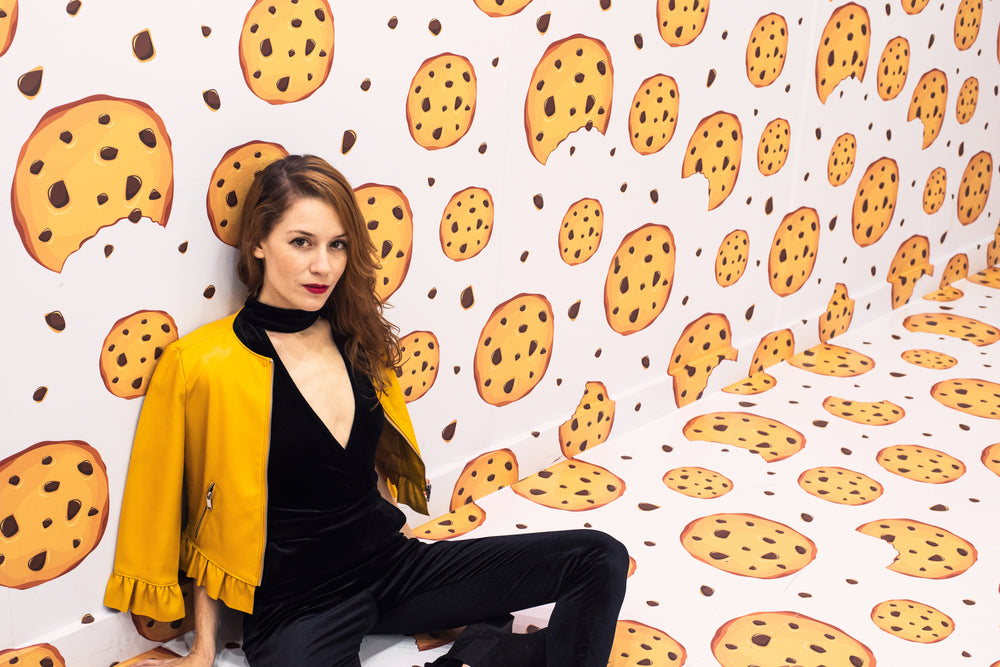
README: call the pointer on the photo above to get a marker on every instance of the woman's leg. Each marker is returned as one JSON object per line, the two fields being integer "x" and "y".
{"x": 448, "y": 584}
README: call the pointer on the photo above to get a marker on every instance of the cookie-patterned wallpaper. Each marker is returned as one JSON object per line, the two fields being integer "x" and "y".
{"x": 589, "y": 213}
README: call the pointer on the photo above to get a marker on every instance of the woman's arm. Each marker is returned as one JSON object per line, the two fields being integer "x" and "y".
{"x": 383, "y": 488}
{"x": 206, "y": 627}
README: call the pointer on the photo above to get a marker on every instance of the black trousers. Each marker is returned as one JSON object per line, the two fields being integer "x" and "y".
{"x": 441, "y": 585}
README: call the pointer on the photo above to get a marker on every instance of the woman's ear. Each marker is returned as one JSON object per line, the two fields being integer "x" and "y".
{"x": 258, "y": 252}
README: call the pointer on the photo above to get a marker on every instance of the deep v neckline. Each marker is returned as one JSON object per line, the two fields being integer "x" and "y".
{"x": 299, "y": 396}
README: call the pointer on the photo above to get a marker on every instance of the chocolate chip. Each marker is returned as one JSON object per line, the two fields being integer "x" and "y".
{"x": 148, "y": 137}
{"x": 136, "y": 383}
{"x": 467, "y": 298}
{"x": 8, "y": 527}
{"x": 543, "y": 22}
{"x": 104, "y": 119}
{"x": 142, "y": 46}
{"x": 212, "y": 99}
{"x": 73, "y": 7}
{"x": 282, "y": 84}
{"x": 47, "y": 461}
{"x": 66, "y": 137}
{"x": 538, "y": 201}
{"x": 231, "y": 199}
{"x": 102, "y": 199}
{"x": 122, "y": 360}
{"x": 132, "y": 186}
{"x": 574, "y": 310}
{"x": 58, "y": 195}
{"x": 39, "y": 394}
{"x": 37, "y": 562}
{"x": 154, "y": 194}
{"x": 36, "y": 167}
{"x": 109, "y": 153}
{"x": 55, "y": 320}
{"x": 265, "y": 48}
{"x": 135, "y": 215}
{"x": 93, "y": 511}
{"x": 320, "y": 15}
{"x": 434, "y": 26}
{"x": 448, "y": 432}
{"x": 209, "y": 292}
{"x": 761, "y": 639}
{"x": 296, "y": 23}
{"x": 30, "y": 83}
{"x": 205, "y": 31}
{"x": 348, "y": 141}
{"x": 46, "y": 523}
{"x": 73, "y": 508}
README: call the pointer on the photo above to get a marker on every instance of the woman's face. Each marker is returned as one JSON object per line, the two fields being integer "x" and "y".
{"x": 304, "y": 256}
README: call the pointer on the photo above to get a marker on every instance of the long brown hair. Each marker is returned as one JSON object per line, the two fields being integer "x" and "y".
{"x": 353, "y": 309}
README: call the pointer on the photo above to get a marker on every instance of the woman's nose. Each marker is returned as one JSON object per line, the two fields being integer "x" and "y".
{"x": 320, "y": 262}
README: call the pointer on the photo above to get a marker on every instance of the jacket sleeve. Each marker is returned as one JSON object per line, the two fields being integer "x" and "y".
{"x": 145, "y": 577}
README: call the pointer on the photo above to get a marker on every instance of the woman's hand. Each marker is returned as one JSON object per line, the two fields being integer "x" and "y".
{"x": 190, "y": 660}
{"x": 206, "y": 624}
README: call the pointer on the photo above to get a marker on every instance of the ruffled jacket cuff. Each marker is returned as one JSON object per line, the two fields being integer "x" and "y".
{"x": 234, "y": 592}
{"x": 159, "y": 602}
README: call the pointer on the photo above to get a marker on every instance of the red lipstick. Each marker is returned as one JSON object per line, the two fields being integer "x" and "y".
{"x": 316, "y": 289}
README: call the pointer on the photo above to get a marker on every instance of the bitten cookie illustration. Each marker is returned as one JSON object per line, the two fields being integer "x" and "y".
{"x": 793, "y": 251}
{"x": 640, "y": 644}
{"x": 467, "y": 223}
{"x": 581, "y": 231}
{"x": 55, "y": 510}
{"x": 571, "y": 485}
{"x": 840, "y": 485}
{"x": 991, "y": 458}
{"x": 483, "y": 475}
{"x": 286, "y": 48}
{"x": 703, "y": 345}
{"x": 419, "y": 368}
{"x": 732, "y": 257}
{"x": 928, "y": 103}
{"x": 389, "y": 218}
{"x": 86, "y": 166}
{"x": 571, "y": 88}
{"x": 843, "y": 48}
{"x": 680, "y": 23}
{"x": 748, "y": 545}
{"x": 715, "y": 151}
{"x": 921, "y": 464}
{"x": 695, "y": 482}
{"x": 514, "y": 349}
{"x": 131, "y": 350}
{"x": 893, "y": 67}
{"x": 975, "y": 187}
{"x": 766, "y": 50}
{"x": 771, "y": 439}
{"x": 230, "y": 182}
{"x": 772, "y": 151}
{"x": 441, "y": 103}
{"x": 591, "y": 422}
{"x": 957, "y": 269}
{"x": 639, "y": 279}
{"x": 839, "y": 313}
{"x": 924, "y": 551}
{"x": 908, "y": 266}
{"x": 773, "y": 348}
{"x": 43, "y": 655}
{"x": 786, "y": 638}
{"x": 912, "y": 621}
{"x": 914, "y": 6}
{"x": 833, "y": 360}
{"x": 875, "y": 201}
{"x": 840, "y": 164}
{"x": 652, "y": 118}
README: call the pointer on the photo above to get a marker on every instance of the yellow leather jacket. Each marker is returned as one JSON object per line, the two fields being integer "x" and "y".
{"x": 203, "y": 436}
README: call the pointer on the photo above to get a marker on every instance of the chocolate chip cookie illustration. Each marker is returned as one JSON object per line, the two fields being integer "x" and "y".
{"x": 571, "y": 485}
{"x": 131, "y": 350}
{"x": 286, "y": 48}
{"x": 514, "y": 349}
{"x": 909, "y": 264}
{"x": 467, "y": 223}
{"x": 875, "y": 201}
{"x": 833, "y": 360}
{"x": 591, "y": 422}
{"x": 43, "y": 655}
{"x": 969, "y": 395}
{"x": 924, "y": 550}
{"x": 968, "y": 98}
{"x": 893, "y": 67}
{"x": 680, "y": 23}
{"x": 772, "y": 151}
{"x": 793, "y": 251}
{"x": 839, "y": 313}
{"x": 912, "y": 621}
{"x": 843, "y": 48}
{"x": 771, "y": 439}
{"x": 419, "y": 367}
{"x": 840, "y": 485}
{"x": 581, "y": 231}
{"x": 840, "y": 164}
{"x": 935, "y": 190}
{"x": 640, "y": 644}
{"x": 483, "y": 475}
{"x": 701, "y": 347}
{"x": 639, "y": 279}
{"x": 786, "y": 638}
{"x": 570, "y": 89}
{"x": 975, "y": 187}
{"x": 956, "y": 326}
{"x": 441, "y": 102}
{"x": 748, "y": 545}
{"x": 731, "y": 259}
{"x": 928, "y": 104}
{"x": 921, "y": 464}
{"x": 766, "y": 50}
{"x": 86, "y": 166}
{"x": 497, "y": 8}
{"x": 652, "y": 118}
{"x": 695, "y": 482}
{"x": 230, "y": 182}
{"x": 55, "y": 509}
{"x": 456, "y": 523}
{"x": 968, "y": 20}
{"x": 8, "y": 24}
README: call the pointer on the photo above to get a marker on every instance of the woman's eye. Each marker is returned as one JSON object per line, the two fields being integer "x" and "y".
{"x": 338, "y": 244}
{"x": 300, "y": 242}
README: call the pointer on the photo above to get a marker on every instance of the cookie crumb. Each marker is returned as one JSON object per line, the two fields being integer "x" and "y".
{"x": 435, "y": 27}
{"x": 209, "y": 292}
{"x": 30, "y": 83}
{"x": 205, "y": 31}
{"x": 73, "y": 7}
{"x": 87, "y": 619}
{"x": 448, "y": 432}
{"x": 56, "y": 321}
{"x": 543, "y": 22}
{"x": 39, "y": 395}
{"x": 142, "y": 46}
{"x": 347, "y": 142}
{"x": 212, "y": 99}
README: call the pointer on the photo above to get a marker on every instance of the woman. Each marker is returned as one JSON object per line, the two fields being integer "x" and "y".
{"x": 284, "y": 431}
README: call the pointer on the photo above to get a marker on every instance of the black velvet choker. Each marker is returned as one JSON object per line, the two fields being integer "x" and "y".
{"x": 281, "y": 320}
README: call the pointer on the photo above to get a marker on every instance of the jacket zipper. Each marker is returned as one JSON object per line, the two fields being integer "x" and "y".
{"x": 427, "y": 484}
{"x": 208, "y": 508}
